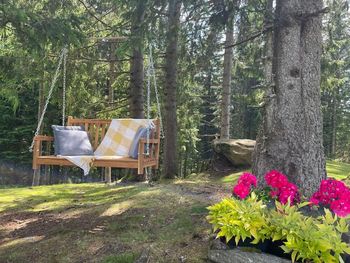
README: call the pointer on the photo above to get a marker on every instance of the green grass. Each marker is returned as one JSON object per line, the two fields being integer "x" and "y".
{"x": 338, "y": 170}
{"x": 123, "y": 258}
{"x": 335, "y": 169}
{"x": 59, "y": 197}
{"x": 101, "y": 223}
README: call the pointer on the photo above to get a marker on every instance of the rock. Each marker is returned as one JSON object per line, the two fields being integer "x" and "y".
{"x": 239, "y": 256}
{"x": 217, "y": 244}
{"x": 237, "y": 151}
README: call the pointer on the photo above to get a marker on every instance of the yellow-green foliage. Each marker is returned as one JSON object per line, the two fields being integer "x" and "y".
{"x": 305, "y": 237}
{"x": 240, "y": 219}
{"x": 309, "y": 238}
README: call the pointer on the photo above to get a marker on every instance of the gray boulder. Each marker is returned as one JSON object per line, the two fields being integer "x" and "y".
{"x": 237, "y": 151}
{"x": 238, "y": 255}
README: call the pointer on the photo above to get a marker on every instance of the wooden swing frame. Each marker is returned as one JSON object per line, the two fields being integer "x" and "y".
{"x": 97, "y": 129}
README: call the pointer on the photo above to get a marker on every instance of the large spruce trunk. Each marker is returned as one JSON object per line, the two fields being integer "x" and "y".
{"x": 170, "y": 163}
{"x": 136, "y": 97}
{"x": 291, "y": 135}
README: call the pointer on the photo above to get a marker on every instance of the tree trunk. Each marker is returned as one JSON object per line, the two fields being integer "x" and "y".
{"x": 170, "y": 164}
{"x": 136, "y": 100}
{"x": 268, "y": 49}
{"x": 291, "y": 137}
{"x": 226, "y": 83}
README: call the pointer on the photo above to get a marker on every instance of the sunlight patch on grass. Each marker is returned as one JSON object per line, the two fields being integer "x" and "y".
{"x": 59, "y": 197}
{"x": 19, "y": 241}
{"x": 232, "y": 178}
{"x": 118, "y": 208}
{"x": 338, "y": 170}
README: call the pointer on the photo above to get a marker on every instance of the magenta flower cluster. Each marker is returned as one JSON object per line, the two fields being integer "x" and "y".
{"x": 243, "y": 187}
{"x": 335, "y": 194}
{"x": 282, "y": 188}
{"x": 332, "y": 193}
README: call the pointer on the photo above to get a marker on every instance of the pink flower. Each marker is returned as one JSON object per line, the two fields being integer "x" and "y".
{"x": 335, "y": 194}
{"x": 275, "y": 179}
{"x": 274, "y": 194}
{"x": 247, "y": 179}
{"x": 340, "y": 208}
{"x": 281, "y": 187}
{"x": 241, "y": 190}
{"x": 314, "y": 201}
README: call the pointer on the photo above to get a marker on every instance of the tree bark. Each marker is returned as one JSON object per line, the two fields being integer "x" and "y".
{"x": 170, "y": 164}
{"x": 291, "y": 137}
{"x": 136, "y": 100}
{"x": 226, "y": 82}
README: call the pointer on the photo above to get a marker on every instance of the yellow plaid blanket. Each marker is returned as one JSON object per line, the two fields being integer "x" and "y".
{"x": 120, "y": 136}
{"x": 117, "y": 142}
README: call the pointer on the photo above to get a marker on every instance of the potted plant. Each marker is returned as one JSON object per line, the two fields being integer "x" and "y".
{"x": 276, "y": 221}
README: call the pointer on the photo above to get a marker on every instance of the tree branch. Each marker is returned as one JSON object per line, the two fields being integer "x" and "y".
{"x": 93, "y": 15}
{"x": 252, "y": 37}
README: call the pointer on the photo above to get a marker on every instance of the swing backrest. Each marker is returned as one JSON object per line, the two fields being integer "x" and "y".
{"x": 97, "y": 129}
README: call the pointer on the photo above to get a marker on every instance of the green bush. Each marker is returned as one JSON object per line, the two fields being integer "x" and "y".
{"x": 240, "y": 219}
{"x": 308, "y": 238}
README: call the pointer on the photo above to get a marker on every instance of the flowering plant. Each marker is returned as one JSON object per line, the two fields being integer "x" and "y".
{"x": 243, "y": 187}
{"x": 289, "y": 222}
{"x": 332, "y": 193}
{"x": 282, "y": 188}
{"x": 335, "y": 194}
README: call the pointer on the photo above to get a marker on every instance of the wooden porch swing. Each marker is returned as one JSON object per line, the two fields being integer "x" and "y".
{"x": 148, "y": 148}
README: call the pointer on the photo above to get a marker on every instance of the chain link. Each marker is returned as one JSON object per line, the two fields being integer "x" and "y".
{"x": 148, "y": 98}
{"x": 157, "y": 95}
{"x": 48, "y": 98}
{"x": 65, "y": 51}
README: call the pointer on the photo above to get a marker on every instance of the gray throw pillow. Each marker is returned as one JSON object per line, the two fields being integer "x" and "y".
{"x": 134, "y": 148}
{"x": 60, "y": 128}
{"x": 72, "y": 143}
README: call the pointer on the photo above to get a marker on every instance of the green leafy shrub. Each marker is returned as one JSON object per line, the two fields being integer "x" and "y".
{"x": 240, "y": 219}
{"x": 308, "y": 238}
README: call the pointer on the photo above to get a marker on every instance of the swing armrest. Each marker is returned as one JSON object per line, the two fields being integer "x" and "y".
{"x": 37, "y": 150}
{"x": 43, "y": 138}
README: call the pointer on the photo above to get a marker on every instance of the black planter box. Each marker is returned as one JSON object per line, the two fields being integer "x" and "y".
{"x": 268, "y": 246}
{"x": 262, "y": 246}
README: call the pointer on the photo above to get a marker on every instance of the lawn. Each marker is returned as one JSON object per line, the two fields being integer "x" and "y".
{"x": 113, "y": 223}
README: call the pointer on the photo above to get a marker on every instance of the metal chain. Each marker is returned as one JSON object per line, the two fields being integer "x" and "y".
{"x": 157, "y": 95}
{"x": 48, "y": 99}
{"x": 65, "y": 51}
{"x": 148, "y": 99}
